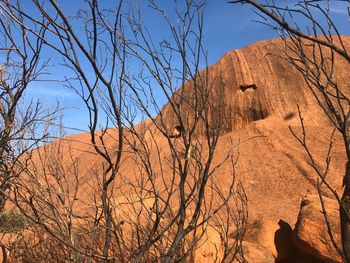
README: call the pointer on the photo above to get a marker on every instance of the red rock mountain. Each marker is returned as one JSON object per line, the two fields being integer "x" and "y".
{"x": 273, "y": 166}
{"x": 261, "y": 92}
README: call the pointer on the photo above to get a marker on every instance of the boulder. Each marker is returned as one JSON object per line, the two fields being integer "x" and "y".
{"x": 276, "y": 237}
{"x": 254, "y": 253}
{"x": 210, "y": 250}
{"x": 311, "y": 235}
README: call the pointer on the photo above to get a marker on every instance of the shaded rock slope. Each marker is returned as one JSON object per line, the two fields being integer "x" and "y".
{"x": 256, "y": 82}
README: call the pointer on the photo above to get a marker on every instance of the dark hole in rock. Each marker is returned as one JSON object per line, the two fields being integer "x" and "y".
{"x": 245, "y": 87}
{"x": 176, "y": 132}
{"x": 258, "y": 114}
{"x": 289, "y": 116}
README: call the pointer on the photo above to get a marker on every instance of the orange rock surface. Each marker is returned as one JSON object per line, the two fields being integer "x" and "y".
{"x": 311, "y": 234}
{"x": 261, "y": 93}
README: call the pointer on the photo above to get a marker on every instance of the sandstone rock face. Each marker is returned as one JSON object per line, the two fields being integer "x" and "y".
{"x": 253, "y": 253}
{"x": 276, "y": 237}
{"x": 259, "y": 93}
{"x": 311, "y": 235}
{"x": 256, "y": 254}
{"x": 209, "y": 251}
{"x": 272, "y": 164}
{"x": 255, "y": 83}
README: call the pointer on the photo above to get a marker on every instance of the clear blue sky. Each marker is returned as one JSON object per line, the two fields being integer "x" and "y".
{"x": 227, "y": 27}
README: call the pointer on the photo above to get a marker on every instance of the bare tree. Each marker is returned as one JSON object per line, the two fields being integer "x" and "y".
{"x": 20, "y": 120}
{"x": 192, "y": 117}
{"x": 155, "y": 190}
{"x": 315, "y": 52}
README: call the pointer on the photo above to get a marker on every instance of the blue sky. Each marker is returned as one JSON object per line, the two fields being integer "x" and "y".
{"x": 227, "y": 27}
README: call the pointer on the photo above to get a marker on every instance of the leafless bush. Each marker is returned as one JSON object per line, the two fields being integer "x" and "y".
{"x": 154, "y": 192}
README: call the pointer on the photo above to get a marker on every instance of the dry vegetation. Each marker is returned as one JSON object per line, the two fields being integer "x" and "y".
{"x": 153, "y": 194}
